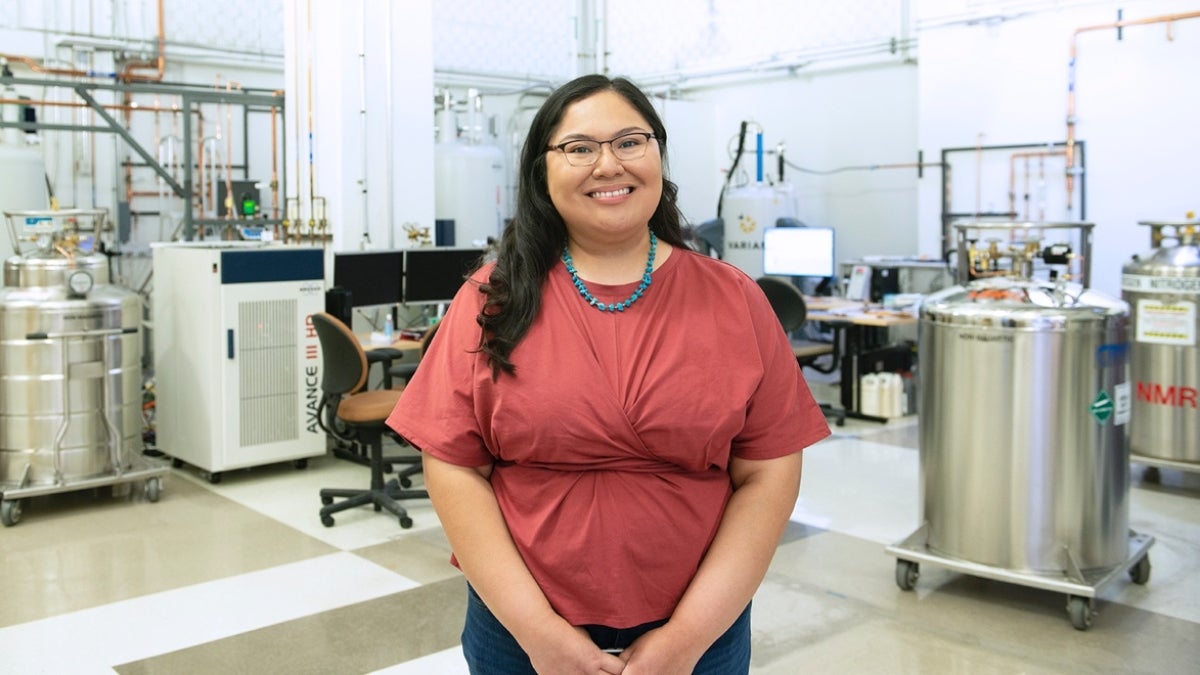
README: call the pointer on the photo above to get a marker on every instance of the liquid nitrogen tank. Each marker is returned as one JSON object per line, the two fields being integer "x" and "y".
{"x": 1025, "y": 399}
{"x": 1162, "y": 288}
{"x": 70, "y": 365}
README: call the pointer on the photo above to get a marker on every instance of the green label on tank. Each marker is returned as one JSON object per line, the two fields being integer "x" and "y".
{"x": 1102, "y": 407}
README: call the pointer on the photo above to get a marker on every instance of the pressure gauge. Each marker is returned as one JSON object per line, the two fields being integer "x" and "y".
{"x": 80, "y": 283}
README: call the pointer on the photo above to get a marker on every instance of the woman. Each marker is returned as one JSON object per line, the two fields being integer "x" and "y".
{"x": 612, "y": 424}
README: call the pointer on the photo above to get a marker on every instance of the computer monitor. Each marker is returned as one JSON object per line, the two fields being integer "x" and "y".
{"x": 434, "y": 275}
{"x": 371, "y": 277}
{"x": 799, "y": 252}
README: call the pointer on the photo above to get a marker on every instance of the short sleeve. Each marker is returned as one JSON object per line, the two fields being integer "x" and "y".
{"x": 437, "y": 411}
{"x": 782, "y": 416}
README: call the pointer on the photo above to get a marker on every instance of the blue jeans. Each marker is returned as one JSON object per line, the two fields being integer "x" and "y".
{"x": 491, "y": 650}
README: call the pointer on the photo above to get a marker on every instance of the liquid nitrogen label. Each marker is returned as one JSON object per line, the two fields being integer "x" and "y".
{"x": 1151, "y": 284}
{"x": 1166, "y": 323}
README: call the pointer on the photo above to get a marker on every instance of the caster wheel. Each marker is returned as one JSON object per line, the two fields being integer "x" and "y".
{"x": 405, "y": 482}
{"x": 388, "y": 468}
{"x": 907, "y": 573}
{"x": 153, "y": 488}
{"x": 1152, "y": 475}
{"x": 300, "y": 464}
{"x": 177, "y": 463}
{"x": 326, "y": 501}
{"x": 1080, "y": 611}
{"x": 214, "y": 477}
{"x": 1140, "y": 573}
{"x": 406, "y": 522}
{"x": 10, "y": 512}
{"x": 327, "y": 521}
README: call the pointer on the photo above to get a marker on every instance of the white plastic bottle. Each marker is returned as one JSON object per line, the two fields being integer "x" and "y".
{"x": 869, "y": 395}
{"x": 891, "y": 390}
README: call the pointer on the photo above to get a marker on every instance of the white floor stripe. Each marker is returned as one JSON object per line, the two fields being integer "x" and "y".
{"x": 877, "y": 502}
{"x": 446, "y": 662}
{"x": 91, "y": 640}
{"x": 292, "y": 498}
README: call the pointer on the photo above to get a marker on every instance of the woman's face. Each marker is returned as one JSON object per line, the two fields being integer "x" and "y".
{"x": 611, "y": 198}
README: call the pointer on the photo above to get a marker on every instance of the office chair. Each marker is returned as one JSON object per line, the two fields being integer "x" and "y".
{"x": 405, "y": 371}
{"x": 709, "y": 237}
{"x": 349, "y": 450}
{"x": 792, "y": 311}
{"x": 361, "y": 414}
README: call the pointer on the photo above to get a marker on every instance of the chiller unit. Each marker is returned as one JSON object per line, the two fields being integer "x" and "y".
{"x": 236, "y": 360}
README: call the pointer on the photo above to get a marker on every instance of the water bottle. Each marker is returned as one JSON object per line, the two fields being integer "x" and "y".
{"x": 388, "y": 328}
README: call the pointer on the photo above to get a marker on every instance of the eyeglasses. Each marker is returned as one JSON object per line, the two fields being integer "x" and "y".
{"x": 587, "y": 152}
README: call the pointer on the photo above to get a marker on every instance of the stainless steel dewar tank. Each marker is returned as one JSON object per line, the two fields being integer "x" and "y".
{"x": 70, "y": 370}
{"x": 1025, "y": 404}
{"x": 1023, "y": 455}
{"x": 1162, "y": 288}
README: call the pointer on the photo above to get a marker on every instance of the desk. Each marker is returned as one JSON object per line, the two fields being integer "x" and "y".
{"x": 409, "y": 352}
{"x": 842, "y": 310}
{"x": 857, "y": 328}
{"x": 402, "y": 344}
{"x": 910, "y": 275}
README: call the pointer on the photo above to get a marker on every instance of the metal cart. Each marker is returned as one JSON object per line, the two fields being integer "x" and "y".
{"x": 126, "y": 466}
{"x": 1080, "y": 586}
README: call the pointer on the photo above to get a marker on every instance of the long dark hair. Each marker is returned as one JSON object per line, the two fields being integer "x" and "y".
{"x": 532, "y": 242}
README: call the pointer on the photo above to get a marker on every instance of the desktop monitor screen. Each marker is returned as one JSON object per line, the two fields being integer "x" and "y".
{"x": 372, "y": 277}
{"x": 433, "y": 275}
{"x": 798, "y": 251}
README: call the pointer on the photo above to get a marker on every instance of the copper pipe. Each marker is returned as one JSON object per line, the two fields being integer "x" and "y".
{"x": 1012, "y": 174}
{"x": 199, "y": 194}
{"x": 274, "y": 171}
{"x": 159, "y": 64}
{"x": 127, "y": 99}
{"x": 37, "y": 68}
{"x": 1167, "y": 18}
{"x": 312, "y": 169}
{"x": 132, "y": 107}
{"x": 229, "y": 200}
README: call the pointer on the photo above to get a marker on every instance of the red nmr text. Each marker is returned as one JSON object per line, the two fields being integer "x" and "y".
{"x": 1180, "y": 397}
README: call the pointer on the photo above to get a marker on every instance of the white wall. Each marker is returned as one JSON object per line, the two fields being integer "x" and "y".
{"x": 835, "y": 126}
{"x": 1136, "y": 99}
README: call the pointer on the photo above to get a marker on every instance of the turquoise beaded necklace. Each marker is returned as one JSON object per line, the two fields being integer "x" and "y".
{"x": 615, "y": 306}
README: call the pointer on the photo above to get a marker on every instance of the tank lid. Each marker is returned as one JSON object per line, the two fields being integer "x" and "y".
{"x": 1168, "y": 261}
{"x": 1020, "y": 303}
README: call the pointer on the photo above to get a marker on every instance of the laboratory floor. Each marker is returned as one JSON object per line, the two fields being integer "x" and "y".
{"x": 241, "y": 577}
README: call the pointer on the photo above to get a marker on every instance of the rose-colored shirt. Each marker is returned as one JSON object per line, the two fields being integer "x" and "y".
{"x": 612, "y": 442}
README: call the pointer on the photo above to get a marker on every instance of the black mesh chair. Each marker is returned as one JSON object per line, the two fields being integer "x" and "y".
{"x": 358, "y": 415}
{"x": 792, "y": 311}
{"x": 404, "y": 372}
{"x": 709, "y": 237}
